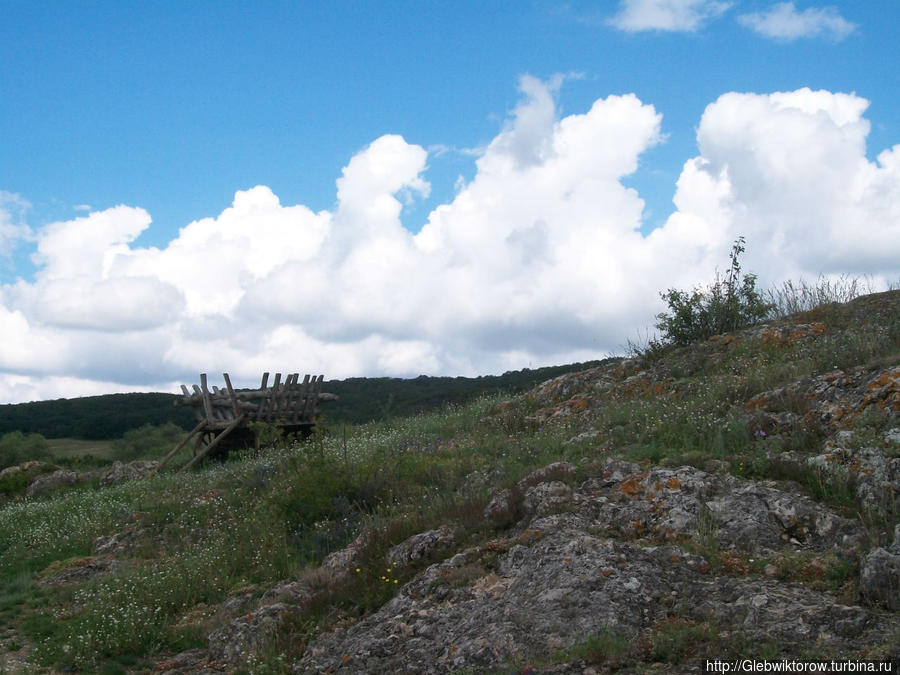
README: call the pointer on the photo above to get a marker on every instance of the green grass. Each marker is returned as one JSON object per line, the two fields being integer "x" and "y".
{"x": 62, "y": 449}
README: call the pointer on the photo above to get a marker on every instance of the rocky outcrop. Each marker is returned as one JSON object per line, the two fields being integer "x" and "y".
{"x": 614, "y": 555}
{"x": 50, "y": 482}
{"x": 829, "y": 402}
{"x": 29, "y": 468}
{"x": 123, "y": 542}
{"x": 248, "y": 633}
{"x": 120, "y": 472}
{"x": 421, "y": 547}
{"x": 668, "y": 504}
{"x": 879, "y": 579}
{"x": 81, "y": 569}
{"x": 874, "y": 474}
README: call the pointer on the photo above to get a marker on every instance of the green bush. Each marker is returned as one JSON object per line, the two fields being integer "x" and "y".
{"x": 728, "y": 304}
{"x": 16, "y": 447}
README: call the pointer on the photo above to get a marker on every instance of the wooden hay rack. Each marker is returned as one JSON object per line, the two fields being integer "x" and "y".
{"x": 224, "y": 415}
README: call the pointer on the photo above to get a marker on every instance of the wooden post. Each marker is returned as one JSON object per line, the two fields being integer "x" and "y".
{"x": 312, "y": 400}
{"x": 234, "y": 400}
{"x": 290, "y": 396}
{"x": 178, "y": 447}
{"x": 300, "y": 406}
{"x": 273, "y": 398}
{"x": 231, "y": 427}
{"x": 207, "y": 406}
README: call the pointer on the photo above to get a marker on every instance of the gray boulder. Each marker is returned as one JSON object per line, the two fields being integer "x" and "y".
{"x": 879, "y": 576}
{"x": 120, "y": 472}
{"x": 49, "y": 482}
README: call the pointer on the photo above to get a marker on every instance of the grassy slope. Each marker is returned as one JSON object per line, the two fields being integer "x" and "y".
{"x": 246, "y": 524}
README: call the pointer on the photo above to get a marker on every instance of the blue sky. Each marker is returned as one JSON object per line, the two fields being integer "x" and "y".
{"x": 163, "y": 111}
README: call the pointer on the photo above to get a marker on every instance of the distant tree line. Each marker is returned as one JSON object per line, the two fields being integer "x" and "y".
{"x": 361, "y": 400}
{"x": 93, "y": 417}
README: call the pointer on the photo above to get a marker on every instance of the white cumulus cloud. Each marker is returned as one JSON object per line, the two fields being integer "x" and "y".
{"x": 538, "y": 259}
{"x": 667, "y": 15}
{"x": 13, "y": 229}
{"x": 783, "y": 22}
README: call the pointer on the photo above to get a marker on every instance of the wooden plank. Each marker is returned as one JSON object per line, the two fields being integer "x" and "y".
{"x": 283, "y": 396}
{"x": 207, "y": 405}
{"x": 178, "y": 447}
{"x": 265, "y": 379}
{"x": 290, "y": 397}
{"x": 185, "y": 391}
{"x": 260, "y": 414}
{"x": 273, "y": 398}
{"x": 300, "y": 407}
{"x": 232, "y": 395}
{"x": 312, "y": 400}
{"x": 231, "y": 427}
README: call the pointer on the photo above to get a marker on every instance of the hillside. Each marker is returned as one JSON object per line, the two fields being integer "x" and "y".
{"x": 734, "y": 498}
{"x": 361, "y": 399}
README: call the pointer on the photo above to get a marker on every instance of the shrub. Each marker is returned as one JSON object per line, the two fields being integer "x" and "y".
{"x": 728, "y": 304}
{"x": 16, "y": 447}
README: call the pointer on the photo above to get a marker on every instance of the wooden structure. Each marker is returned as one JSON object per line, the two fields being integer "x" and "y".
{"x": 224, "y": 415}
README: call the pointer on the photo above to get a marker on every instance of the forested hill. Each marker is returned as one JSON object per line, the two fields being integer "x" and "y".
{"x": 361, "y": 399}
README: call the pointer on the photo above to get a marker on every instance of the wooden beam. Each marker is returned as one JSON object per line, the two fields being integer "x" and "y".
{"x": 231, "y": 427}
{"x": 273, "y": 398}
{"x": 312, "y": 399}
{"x": 207, "y": 406}
{"x": 178, "y": 447}
{"x": 300, "y": 407}
{"x": 290, "y": 398}
{"x": 234, "y": 400}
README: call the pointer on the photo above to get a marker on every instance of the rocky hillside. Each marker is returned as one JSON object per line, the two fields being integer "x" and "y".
{"x": 735, "y": 498}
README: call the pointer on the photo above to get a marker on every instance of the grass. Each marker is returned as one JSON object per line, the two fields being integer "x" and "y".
{"x": 65, "y": 450}
{"x": 253, "y": 521}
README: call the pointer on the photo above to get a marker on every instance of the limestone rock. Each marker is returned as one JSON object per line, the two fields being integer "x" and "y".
{"x": 121, "y": 472}
{"x": 248, "y": 633}
{"x": 343, "y": 562}
{"x": 421, "y": 547}
{"x": 295, "y": 593}
{"x": 551, "y": 589}
{"x": 49, "y": 482}
{"x": 120, "y": 542}
{"x": 503, "y": 508}
{"x": 82, "y": 569}
{"x": 31, "y": 467}
{"x": 876, "y": 477}
{"x": 879, "y": 578}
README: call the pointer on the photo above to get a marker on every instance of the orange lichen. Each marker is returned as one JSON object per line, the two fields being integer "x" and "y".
{"x": 632, "y": 487}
